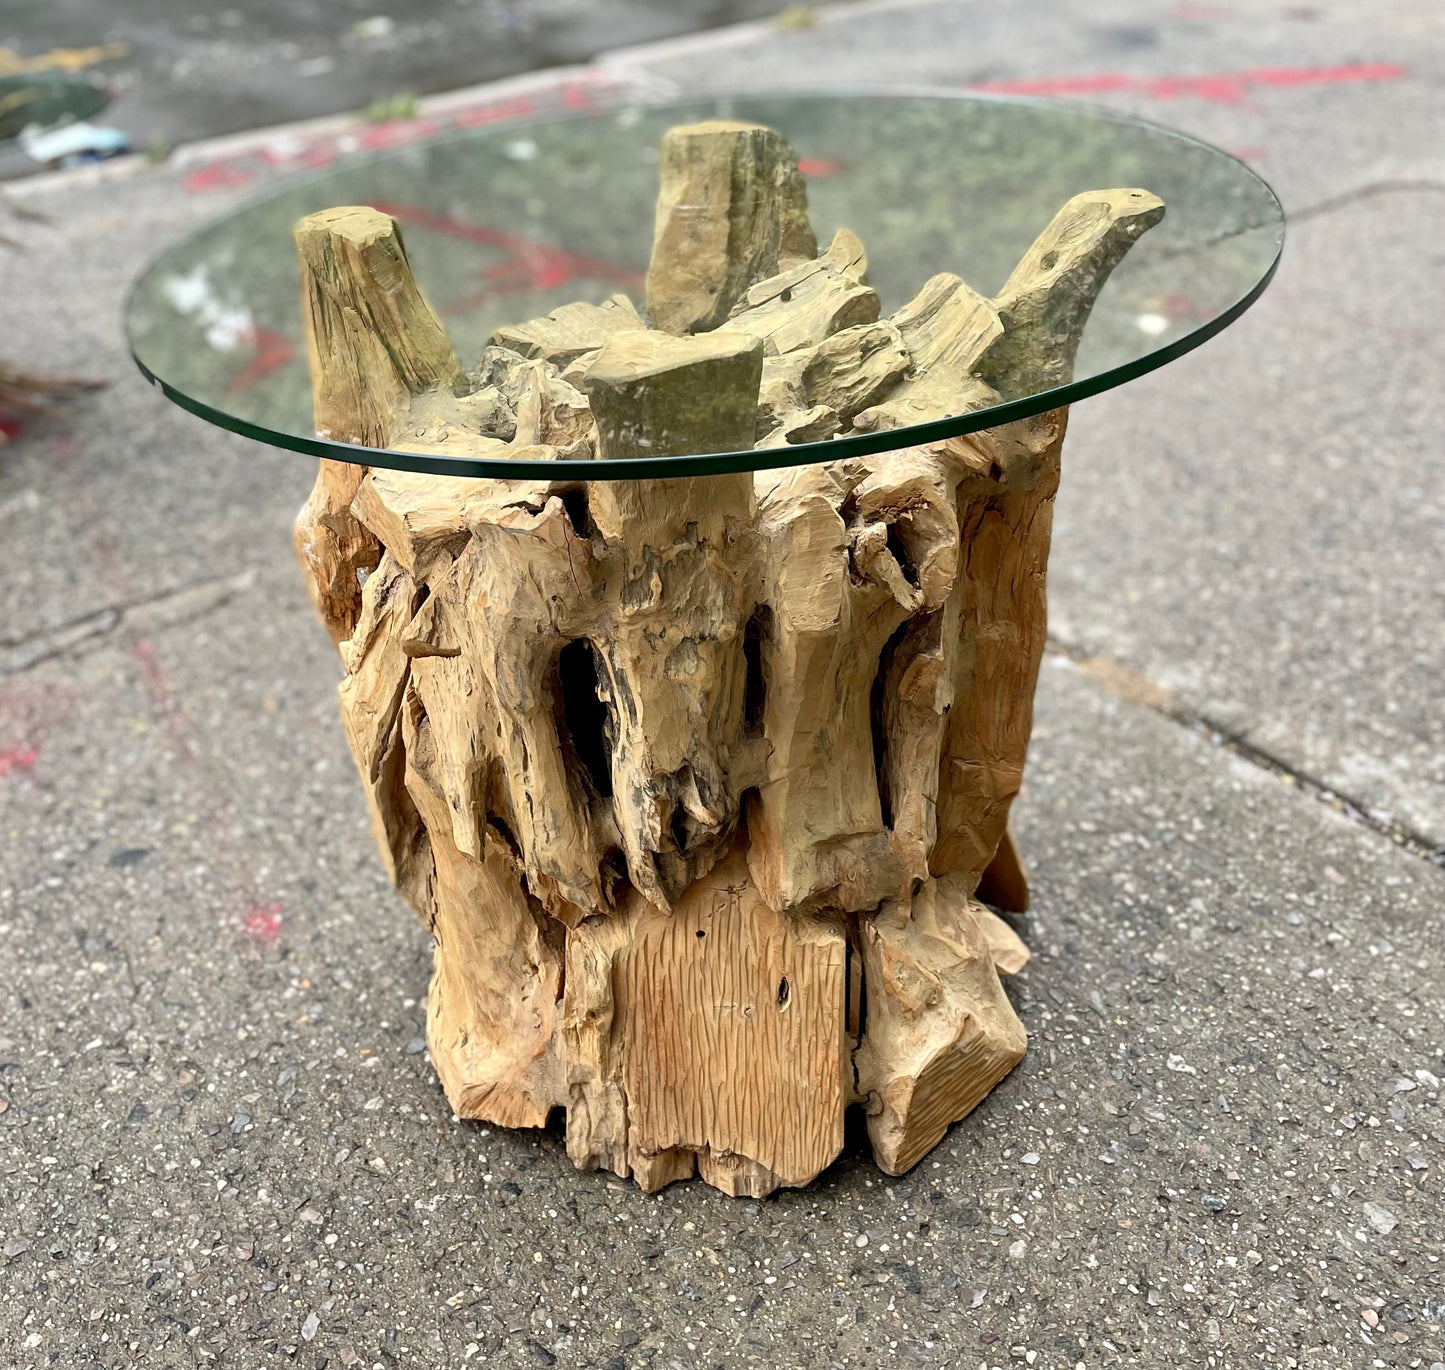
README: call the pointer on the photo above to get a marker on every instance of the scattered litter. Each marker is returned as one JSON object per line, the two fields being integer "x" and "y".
{"x": 797, "y": 17}
{"x": 46, "y": 102}
{"x": 73, "y": 144}
{"x": 60, "y": 59}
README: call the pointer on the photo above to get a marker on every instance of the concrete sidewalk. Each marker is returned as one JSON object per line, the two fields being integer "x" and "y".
{"x": 220, "y": 1139}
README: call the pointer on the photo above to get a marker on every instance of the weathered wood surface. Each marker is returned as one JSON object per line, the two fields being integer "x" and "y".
{"x": 698, "y": 783}
{"x": 732, "y": 210}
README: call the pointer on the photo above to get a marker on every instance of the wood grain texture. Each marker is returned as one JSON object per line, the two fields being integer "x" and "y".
{"x": 716, "y": 1031}
{"x": 731, "y": 210}
{"x": 941, "y": 1032}
{"x": 1045, "y": 303}
{"x": 698, "y": 783}
{"x": 1005, "y": 881}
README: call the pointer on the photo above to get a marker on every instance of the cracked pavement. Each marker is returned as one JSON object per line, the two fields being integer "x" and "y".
{"x": 220, "y": 1139}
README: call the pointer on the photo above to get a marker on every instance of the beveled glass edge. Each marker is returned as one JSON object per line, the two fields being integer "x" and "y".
{"x": 752, "y": 458}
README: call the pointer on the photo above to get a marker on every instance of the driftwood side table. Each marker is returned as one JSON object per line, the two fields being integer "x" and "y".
{"x": 691, "y": 634}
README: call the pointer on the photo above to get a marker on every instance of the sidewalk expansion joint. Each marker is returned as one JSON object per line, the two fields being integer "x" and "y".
{"x": 147, "y": 614}
{"x": 1400, "y": 185}
{"x": 1123, "y": 682}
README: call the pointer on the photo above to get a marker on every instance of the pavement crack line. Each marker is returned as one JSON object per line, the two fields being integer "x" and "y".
{"x": 1399, "y": 185}
{"x": 1124, "y": 682}
{"x": 145, "y": 614}
{"x": 1408, "y": 185}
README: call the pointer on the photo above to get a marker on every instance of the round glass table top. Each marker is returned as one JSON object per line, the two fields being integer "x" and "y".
{"x": 507, "y": 222}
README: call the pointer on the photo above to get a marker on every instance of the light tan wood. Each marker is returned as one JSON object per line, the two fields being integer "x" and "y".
{"x": 1004, "y": 882}
{"x": 810, "y": 301}
{"x": 699, "y": 783}
{"x": 373, "y": 345}
{"x": 844, "y": 373}
{"x": 335, "y": 549}
{"x": 1046, "y": 301}
{"x": 1005, "y": 947}
{"x": 658, "y": 396}
{"x": 941, "y": 1031}
{"x": 732, "y": 210}
{"x": 566, "y": 333}
{"x": 372, "y": 339}
{"x": 718, "y": 1030}
{"x": 945, "y": 329}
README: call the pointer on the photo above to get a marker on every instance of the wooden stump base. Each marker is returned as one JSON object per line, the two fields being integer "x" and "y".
{"x": 694, "y": 783}
{"x": 724, "y": 1037}
{"x": 698, "y": 783}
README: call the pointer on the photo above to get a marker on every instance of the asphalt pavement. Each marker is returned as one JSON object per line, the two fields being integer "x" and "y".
{"x": 220, "y": 1138}
{"x": 181, "y": 71}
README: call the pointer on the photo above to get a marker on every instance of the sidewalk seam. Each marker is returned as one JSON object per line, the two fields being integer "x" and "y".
{"x": 1140, "y": 690}
{"x": 1397, "y": 185}
{"x": 93, "y": 631}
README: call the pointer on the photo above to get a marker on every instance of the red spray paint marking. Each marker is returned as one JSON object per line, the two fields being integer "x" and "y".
{"x": 530, "y": 266}
{"x": 819, "y": 168}
{"x": 519, "y": 108}
{"x": 263, "y": 924}
{"x": 309, "y": 157}
{"x": 214, "y": 784}
{"x": 272, "y": 351}
{"x": 579, "y": 95}
{"x": 509, "y": 242}
{"x": 396, "y": 133}
{"x": 217, "y": 176}
{"x": 1228, "y": 88}
{"x": 18, "y": 759}
{"x": 163, "y": 695}
{"x": 240, "y": 169}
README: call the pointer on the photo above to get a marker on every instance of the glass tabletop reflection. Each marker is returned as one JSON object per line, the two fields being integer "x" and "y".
{"x": 507, "y": 222}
